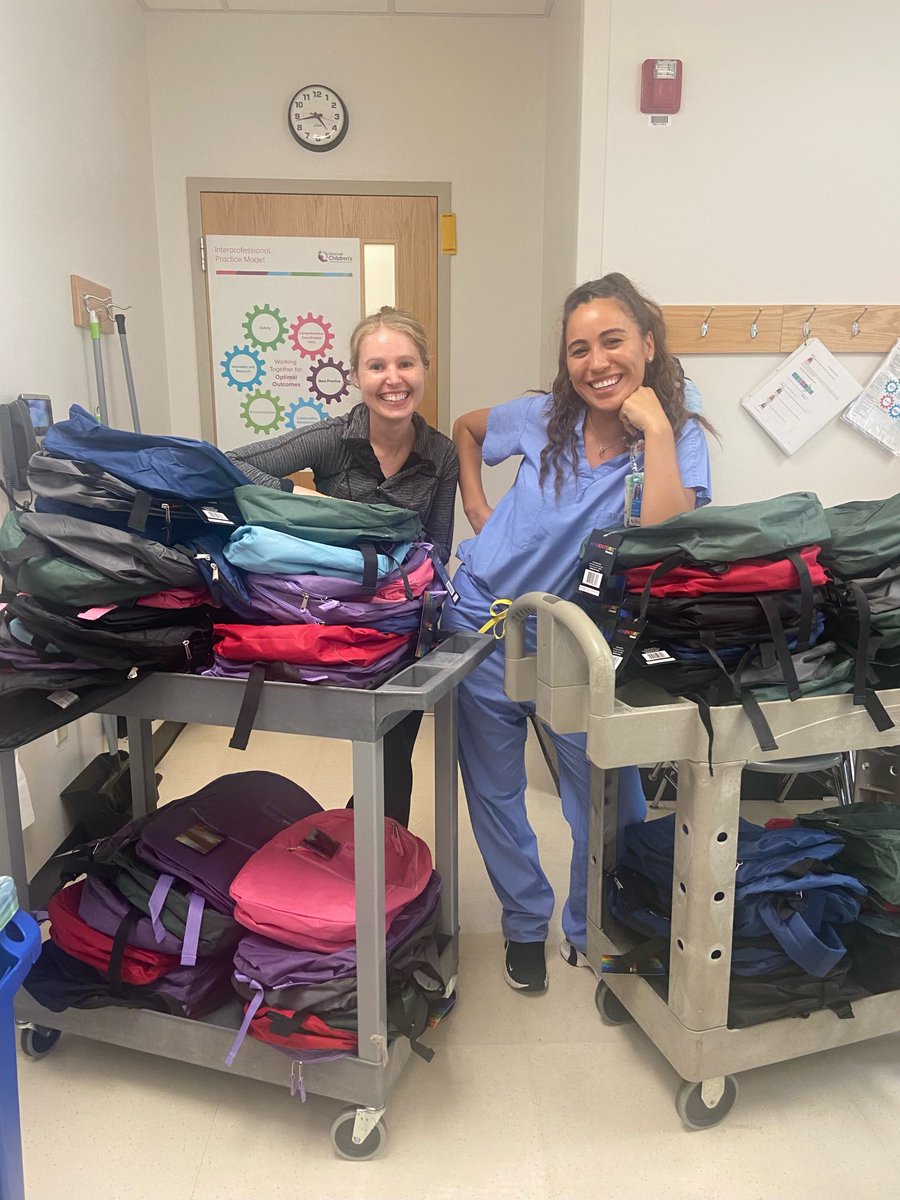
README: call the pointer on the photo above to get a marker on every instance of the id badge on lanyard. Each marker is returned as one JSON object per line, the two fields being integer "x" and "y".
{"x": 634, "y": 488}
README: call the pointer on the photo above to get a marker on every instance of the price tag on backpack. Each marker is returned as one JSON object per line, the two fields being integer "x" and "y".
{"x": 63, "y": 699}
{"x": 441, "y": 571}
{"x": 655, "y": 656}
{"x": 214, "y": 516}
{"x": 200, "y": 838}
{"x": 598, "y": 560}
{"x": 428, "y": 624}
{"x": 624, "y": 641}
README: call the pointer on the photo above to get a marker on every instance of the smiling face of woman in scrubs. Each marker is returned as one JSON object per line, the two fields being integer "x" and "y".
{"x": 606, "y": 354}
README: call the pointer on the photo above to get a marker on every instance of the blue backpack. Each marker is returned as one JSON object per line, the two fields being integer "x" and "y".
{"x": 157, "y": 466}
{"x": 784, "y": 887}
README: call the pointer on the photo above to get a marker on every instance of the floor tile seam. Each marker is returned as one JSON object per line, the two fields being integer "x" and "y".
{"x": 203, "y": 1153}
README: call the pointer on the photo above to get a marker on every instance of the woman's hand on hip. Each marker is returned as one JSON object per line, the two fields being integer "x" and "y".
{"x": 478, "y": 517}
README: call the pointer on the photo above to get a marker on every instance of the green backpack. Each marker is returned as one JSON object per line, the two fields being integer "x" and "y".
{"x": 865, "y": 537}
{"x": 325, "y": 519}
{"x": 871, "y": 833}
{"x": 726, "y": 533}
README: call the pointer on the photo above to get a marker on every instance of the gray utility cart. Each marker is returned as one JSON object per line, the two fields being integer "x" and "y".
{"x": 571, "y": 679}
{"x": 362, "y": 717}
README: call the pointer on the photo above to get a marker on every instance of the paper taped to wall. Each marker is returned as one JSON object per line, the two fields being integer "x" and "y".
{"x": 802, "y": 396}
{"x": 876, "y": 410}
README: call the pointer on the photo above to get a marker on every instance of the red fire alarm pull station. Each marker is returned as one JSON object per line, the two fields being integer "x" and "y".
{"x": 661, "y": 85}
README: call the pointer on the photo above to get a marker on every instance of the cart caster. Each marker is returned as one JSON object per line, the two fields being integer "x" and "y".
{"x": 611, "y": 1009}
{"x": 36, "y": 1041}
{"x": 342, "y": 1136}
{"x": 696, "y": 1113}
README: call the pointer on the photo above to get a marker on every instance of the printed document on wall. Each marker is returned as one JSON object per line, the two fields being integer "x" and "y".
{"x": 876, "y": 411}
{"x": 802, "y": 396}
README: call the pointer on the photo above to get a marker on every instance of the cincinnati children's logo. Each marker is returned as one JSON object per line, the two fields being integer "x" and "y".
{"x": 332, "y": 256}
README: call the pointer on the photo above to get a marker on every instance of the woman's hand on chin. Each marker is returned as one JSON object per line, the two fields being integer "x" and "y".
{"x": 642, "y": 414}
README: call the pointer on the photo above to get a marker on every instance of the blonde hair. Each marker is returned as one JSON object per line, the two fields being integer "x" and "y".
{"x": 390, "y": 318}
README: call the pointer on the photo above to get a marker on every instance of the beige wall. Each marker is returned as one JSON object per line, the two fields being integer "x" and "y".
{"x": 777, "y": 182}
{"x": 76, "y": 196}
{"x": 458, "y": 100}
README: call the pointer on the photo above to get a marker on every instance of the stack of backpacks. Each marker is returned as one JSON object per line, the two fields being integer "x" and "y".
{"x": 245, "y": 885}
{"x": 295, "y": 965}
{"x": 792, "y": 906}
{"x": 732, "y": 604}
{"x": 153, "y": 553}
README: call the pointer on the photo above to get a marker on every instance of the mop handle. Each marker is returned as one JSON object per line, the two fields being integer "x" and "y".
{"x": 129, "y": 378}
{"x": 98, "y": 366}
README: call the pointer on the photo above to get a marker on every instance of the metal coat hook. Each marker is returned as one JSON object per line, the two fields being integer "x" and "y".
{"x": 807, "y": 328}
{"x": 854, "y": 328}
{"x": 754, "y": 328}
{"x": 704, "y": 328}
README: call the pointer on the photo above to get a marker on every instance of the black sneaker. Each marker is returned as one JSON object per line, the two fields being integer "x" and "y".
{"x": 526, "y": 966}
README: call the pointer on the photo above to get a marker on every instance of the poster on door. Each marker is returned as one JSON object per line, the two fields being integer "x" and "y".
{"x": 281, "y": 313}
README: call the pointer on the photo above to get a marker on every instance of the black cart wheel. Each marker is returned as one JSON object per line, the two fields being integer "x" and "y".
{"x": 38, "y": 1041}
{"x": 342, "y": 1137}
{"x": 695, "y": 1114}
{"x": 611, "y": 1009}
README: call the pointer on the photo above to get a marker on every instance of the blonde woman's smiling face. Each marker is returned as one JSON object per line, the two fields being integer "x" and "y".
{"x": 390, "y": 375}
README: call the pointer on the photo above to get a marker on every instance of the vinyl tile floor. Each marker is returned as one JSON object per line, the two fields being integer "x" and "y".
{"x": 527, "y": 1098}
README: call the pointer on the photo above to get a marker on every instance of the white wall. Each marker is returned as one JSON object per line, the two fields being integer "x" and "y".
{"x": 76, "y": 197}
{"x": 444, "y": 99}
{"x": 562, "y": 153}
{"x": 777, "y": 183}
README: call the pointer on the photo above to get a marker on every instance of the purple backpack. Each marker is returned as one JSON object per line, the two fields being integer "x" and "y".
{"x": 206, "y": 838}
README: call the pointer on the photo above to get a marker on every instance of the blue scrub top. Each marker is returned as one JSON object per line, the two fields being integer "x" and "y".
{"x": 533, "y": 539}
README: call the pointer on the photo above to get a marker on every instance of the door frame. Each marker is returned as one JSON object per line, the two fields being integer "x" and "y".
{"x": 313, "y": 187}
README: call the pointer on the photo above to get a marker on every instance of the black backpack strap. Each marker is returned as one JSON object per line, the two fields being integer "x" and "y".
{"x": 140, "y": 511}
{"x": 410, "y": 1025}
{"x": 752, "y": 711}
{"x": 807, "y": 599}
{"x": 779, "y": 641}
{"x": 31, "y": 546}
{"x": 246, "y": 717}
{"x": 370, "y": 566}
{"x": 862, "y": 693}
{"x": 120, "y": 942}
{"x": 662, "y": 568}
{"x": 705, "y": 715}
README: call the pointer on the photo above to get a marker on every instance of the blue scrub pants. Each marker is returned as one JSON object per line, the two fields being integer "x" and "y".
{"x": 492, "y": 734}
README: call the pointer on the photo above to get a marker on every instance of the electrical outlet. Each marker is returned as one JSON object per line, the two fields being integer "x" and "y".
{"x": 61, "y": 734}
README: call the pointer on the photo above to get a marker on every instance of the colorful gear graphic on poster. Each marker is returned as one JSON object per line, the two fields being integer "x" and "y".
{"x": 262, "y": 412}
{"x": 892, "y": 386}
{"x": 329, "y": 393}
{"x": 894, "y": 411}
{"x": 231, "y": 364}
{"x": 304, "y": 412}
{"x": 256, "y": 336}
{"x": 887, "y": 401}
{"x": 322, "y": 339}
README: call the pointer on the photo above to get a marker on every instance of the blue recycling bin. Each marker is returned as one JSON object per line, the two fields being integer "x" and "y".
{"x": 20, "y": 945}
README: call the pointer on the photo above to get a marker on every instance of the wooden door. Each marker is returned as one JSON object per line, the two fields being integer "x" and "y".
{"x": 408, "y": 223}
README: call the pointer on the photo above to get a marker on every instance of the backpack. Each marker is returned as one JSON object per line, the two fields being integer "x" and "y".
{"x": 59, "y": 981}
{"x": 271, "y": 552}
{"x": 42, "y": 707}
{"x": 721, "y": 533}
{"x": 300, "y": 887}
{"x": 74, "y": 562}
{"x": 122, "y": 639}
{"x": 864, "y": 537}
{"x": 158, "y": 467}
{"x": 326, "y": 519}
{"x": 784, "y": 887}
{"x": 870, "y": 831}
{"x": 78, "y": 489}
{"x": 307, "y": 645}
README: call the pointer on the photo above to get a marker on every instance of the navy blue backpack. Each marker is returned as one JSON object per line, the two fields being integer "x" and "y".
{"x": 155, "y": 465}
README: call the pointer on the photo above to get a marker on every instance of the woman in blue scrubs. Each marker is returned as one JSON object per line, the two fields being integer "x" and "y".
{"x": 617, "y": 388}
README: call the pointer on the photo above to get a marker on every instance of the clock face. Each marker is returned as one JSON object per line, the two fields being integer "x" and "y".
{"x": 318, "y": 118}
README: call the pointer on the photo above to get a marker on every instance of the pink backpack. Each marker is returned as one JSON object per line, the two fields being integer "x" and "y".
{"x": 298, "y": 889}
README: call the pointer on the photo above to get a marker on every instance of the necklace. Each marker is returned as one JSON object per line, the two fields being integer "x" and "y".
{"x": 601, "y": 450}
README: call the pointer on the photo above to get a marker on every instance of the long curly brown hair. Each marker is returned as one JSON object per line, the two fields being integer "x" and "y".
{"x": 664, "y": 374}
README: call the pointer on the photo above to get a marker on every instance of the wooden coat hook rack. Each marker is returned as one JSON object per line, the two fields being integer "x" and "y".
{"x": 780, "y": 328}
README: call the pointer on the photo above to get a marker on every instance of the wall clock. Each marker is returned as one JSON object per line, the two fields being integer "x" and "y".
{"x": 318, "y": 117}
